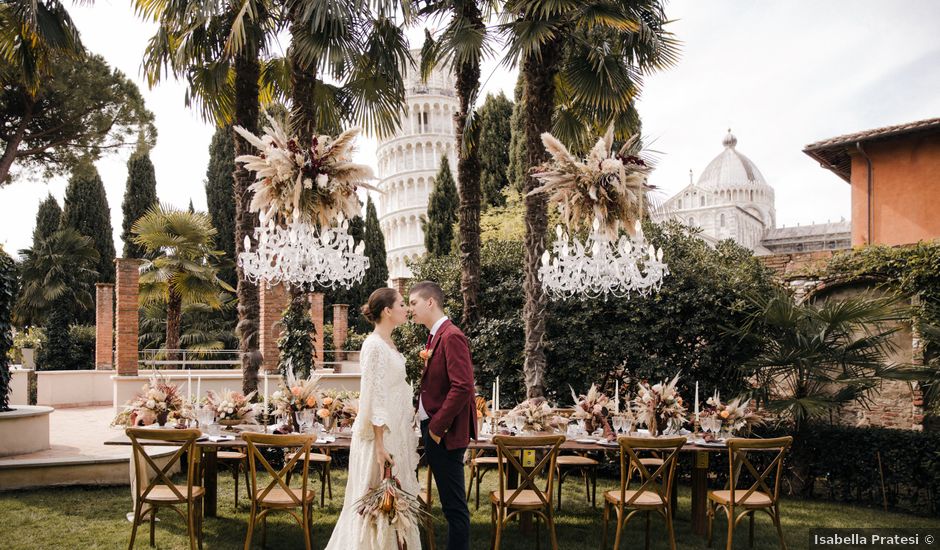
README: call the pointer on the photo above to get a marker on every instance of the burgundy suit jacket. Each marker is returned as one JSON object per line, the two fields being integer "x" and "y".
{"x": 447, "y": 388}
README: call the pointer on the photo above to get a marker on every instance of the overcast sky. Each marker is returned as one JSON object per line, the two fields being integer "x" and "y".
{"x": 779, "y": 74}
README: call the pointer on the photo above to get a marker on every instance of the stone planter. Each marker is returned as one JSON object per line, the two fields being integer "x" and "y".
{"x": 25, "y": 429}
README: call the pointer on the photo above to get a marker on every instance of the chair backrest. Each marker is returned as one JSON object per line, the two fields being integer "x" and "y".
{"x": 186, "y": 439}
{"x": 512, "y": 451}
{"x": 775, "y": 448}
{"x": 278, "y": 477}
{"x": 653, "y": 479}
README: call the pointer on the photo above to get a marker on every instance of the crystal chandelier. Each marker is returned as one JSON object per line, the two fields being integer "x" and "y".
{"x": 599, "y": 266}
{"x": 299, "y": 253}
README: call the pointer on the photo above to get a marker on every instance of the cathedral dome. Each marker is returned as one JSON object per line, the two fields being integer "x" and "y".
{"x": 731, "y": 170}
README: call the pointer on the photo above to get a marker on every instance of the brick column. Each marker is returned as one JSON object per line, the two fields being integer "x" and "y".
{"x": 104, "y": 326}
{"x": 316, "y": 315}
{"x": 274, "y": 300}
{"x": 126, "y": 322}
{"x": 340, "y": 327}
{"x": 401, "y": 285}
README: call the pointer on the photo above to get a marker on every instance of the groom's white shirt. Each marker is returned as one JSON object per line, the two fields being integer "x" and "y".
{"x": 422, "y": 414}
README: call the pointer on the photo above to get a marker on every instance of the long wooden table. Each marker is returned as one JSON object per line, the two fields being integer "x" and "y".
{"x": 209, "y": 451}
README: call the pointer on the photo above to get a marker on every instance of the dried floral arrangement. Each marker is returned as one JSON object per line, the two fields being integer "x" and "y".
{"x": 607, "y": 186}
{"x": 388, "y": 506}
{"x": 315, "y": 184}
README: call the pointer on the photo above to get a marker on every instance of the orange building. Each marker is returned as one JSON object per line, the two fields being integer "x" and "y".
{"x": 895, "y": 177}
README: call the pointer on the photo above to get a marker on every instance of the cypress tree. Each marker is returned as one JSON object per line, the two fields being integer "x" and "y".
{"x": 495, "y": 135}
{"x": 86, "y": 210}
{"x": 377, "y": 274}
{"x": 438, "y": 226}
{"x": 220, "y": 196}
{"x": 517, "y": 169}
{"x": 48, "y": 218}
{"x": 140, "y": 194}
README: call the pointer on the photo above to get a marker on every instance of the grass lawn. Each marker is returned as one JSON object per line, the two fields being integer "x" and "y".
{"x": 93, "y": 517}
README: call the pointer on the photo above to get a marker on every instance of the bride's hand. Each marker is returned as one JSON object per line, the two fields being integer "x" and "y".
{"x": 382, "y": 457}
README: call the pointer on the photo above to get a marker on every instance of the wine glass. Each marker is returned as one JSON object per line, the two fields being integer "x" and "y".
{"x": 306, "y": 420}
{"x": 617, "y": 422}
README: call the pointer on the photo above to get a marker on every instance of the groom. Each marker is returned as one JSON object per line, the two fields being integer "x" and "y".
{"x": 446, "y": 407}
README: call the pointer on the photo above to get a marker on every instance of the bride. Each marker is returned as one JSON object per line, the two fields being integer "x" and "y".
{"x": 383, "y": 430}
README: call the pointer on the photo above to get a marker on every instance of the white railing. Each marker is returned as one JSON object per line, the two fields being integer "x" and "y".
{"x": 212, "y": 359}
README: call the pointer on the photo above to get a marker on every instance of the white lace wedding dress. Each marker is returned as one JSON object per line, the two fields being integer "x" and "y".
{"x": 385, "y": 399}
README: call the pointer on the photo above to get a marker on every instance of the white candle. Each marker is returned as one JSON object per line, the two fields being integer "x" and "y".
{"x": 616, "y": 396}
{"x": 189, "y": 384}
{"x": 696, "y": 400}
{"x": 493, "y": 401}
{"x": 265, "y": 393}
{"x": 198, "y": 388}
{"x": 497, "y": 394}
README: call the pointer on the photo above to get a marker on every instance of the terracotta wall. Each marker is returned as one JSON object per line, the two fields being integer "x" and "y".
{"x": 906, "y": 191}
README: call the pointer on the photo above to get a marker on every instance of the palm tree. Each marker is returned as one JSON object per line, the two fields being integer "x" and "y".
{"x": 58, "y": 273}
{"x": 581, "y": 62}
{"x": 180, "y": 266}
{"x": 462, "y": 45}
{"x": 222, "y": 51}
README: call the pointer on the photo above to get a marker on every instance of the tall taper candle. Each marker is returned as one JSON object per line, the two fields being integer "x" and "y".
{"x": 493, "y": 401}
{"x": 696, "y": 400}
{"x": 266, "y": 394}
{"x": 497, "y": 394}
{"x": 198, "y": 389}
{"x": 616, "y": 396}
{"x": 189, "y": 384}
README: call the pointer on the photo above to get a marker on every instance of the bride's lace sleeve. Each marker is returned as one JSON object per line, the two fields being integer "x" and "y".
{"x": 372, "y": 397}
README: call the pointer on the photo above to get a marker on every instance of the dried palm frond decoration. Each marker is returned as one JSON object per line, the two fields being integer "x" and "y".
{"x": 610, "y": 187}
{"x": 315, "y": 185}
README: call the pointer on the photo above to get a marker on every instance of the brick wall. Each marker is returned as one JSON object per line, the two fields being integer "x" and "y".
{"x": 402, "y": 285}
{"x": 316, "y": 315}
{"x": 274, "y": 300}
{"x": 126, "y": 321}
{"x": 104, "y": 326}
{"x": 894, "y": 404}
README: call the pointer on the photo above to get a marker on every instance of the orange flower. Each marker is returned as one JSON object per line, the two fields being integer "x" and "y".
{"x": 311, "y": 401}
{"x": 425, "y": 354}
{"x": 296, "y": 391}
{"x": 327, "y": 401}
{"x": 724, "y": 414}
{"x": 323, "y": 413}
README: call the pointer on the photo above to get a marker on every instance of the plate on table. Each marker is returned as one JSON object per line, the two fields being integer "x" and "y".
{"x": 586, "y": 440}
{"x": 609, "y": 443}
{"x": 717, "y": 443}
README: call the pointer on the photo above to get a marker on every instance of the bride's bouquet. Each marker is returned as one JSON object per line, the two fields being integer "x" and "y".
{"x": 388, "y": 506}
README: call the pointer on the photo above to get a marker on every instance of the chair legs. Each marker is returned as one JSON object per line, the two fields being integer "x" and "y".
{"x": 776, "y": 518}
{"x": 251, "y": 525}
{"x": 137, "y": 516}
{"x": 153, "y": 525}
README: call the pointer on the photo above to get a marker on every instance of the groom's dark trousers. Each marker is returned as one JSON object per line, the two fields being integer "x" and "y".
{"x": 447, "y": 465}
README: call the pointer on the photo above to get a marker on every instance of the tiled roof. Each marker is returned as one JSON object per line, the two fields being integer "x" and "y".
{"x": 833, "y": 153}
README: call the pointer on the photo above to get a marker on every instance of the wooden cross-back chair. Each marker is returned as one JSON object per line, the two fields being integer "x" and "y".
{"x": 653, "y": 494}
{"x": 277, "y": 494}
{"x": 759, "y": 495}
{"x": 527, "y": 496}
{"x": 160, "y": 491}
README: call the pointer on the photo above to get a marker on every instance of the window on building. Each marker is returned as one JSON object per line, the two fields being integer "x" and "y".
{"x": 721, "y": 220}
{"x": 701, "y": 200}
{"x": 679, "y": 204}
{"x": 691, "y": 222}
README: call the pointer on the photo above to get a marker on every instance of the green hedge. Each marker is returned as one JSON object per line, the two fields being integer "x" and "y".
{"x": 76, "y": 351}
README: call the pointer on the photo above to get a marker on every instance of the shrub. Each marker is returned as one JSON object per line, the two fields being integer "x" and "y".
{"x": 354, "y": 340}
{"x": 32, "y": 337}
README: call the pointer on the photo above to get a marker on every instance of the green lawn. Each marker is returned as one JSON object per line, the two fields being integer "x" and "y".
{"x": 93, "y": 517}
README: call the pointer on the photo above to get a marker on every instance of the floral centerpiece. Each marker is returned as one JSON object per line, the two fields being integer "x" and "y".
{"x": 338, "y": 408}
{"x": 537, "y": 415}
{"x": 729, "y": 417}
{"x": 388, "y": 506}
{"x": 606, "y": 186}
{"x": 660, "y": 406}
{"x": 157, "y": 402}
{"x": 314, "y": 184}
{"x": 296, "y": 395}
{"x": 593, "y": 408}
{"x": 231, "y": 407}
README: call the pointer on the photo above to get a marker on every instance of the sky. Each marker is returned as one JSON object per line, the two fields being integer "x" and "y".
{"x": 780, "y": 75}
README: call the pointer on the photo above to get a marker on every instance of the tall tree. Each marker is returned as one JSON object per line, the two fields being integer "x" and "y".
{"x": 48, "y": 218}
{"x": 580, "y": 62}
{"x": 517, "y": 169}
{"x": 33, "y": 34}
{"x": 462, "y": 46}
{"x": 220, "y": 196}
{"x": 86, "y": 211}
{"x": 7, "y": 297}
{"x": 495, "y": 136}
{"x": 377, "y": 274}
{"x": 81, "y": 109}
{"x": 140, "y": 194}
{"x": 438, "y": 226}
{"x": 181, "y": 266}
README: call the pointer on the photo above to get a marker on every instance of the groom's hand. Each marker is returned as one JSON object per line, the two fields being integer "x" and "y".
{"x": 435, "y": 437}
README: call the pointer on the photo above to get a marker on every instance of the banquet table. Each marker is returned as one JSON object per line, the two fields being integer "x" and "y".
{"x": 209, "y": 450}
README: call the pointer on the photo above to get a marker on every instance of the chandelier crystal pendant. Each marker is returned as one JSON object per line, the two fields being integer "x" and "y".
{"x": 298, "y": 253}
{"x": 601, "y": 267}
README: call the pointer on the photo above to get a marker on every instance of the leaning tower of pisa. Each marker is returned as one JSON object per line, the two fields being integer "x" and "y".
{"x": 408, "y": 162}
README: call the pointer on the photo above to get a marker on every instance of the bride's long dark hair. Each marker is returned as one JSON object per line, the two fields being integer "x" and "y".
{"x": 380, "y": 299}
